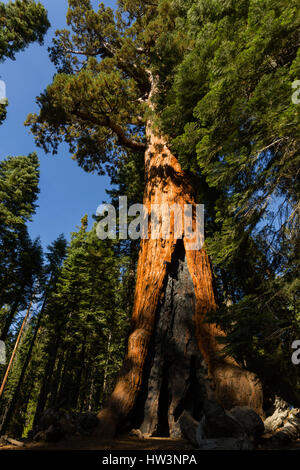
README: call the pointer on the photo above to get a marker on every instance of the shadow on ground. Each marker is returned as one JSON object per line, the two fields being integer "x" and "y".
{"x": 93, "y": 443}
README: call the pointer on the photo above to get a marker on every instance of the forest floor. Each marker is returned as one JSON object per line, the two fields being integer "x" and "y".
{"x": 121, "y": 443}
{"x": 93, "y": 443}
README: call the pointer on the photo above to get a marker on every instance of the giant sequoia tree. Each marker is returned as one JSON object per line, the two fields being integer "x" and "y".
{"x": 230, "y": 113}
{"x": 103, "y": 101}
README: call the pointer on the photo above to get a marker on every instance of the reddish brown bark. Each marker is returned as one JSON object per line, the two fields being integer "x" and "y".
{"x": 167, "y": 183}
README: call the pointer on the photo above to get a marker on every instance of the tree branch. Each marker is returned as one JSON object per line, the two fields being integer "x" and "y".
{"x": 124, "y": 140}
{"x": 135, "y": 72}
{"x": 116, "y": 128}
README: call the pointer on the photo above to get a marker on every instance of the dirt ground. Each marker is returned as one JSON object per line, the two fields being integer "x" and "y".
{"x": 121, "y": 443}
{"x": 93, "y": 443}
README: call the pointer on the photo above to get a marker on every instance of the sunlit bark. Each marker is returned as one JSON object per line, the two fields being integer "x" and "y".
{"x": 167, "y": 183}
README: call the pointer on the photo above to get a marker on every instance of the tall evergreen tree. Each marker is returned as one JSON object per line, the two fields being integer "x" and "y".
{"x": 85, "y": 327}
{"x": 21, "y": 23}
{"x": 20, "y": 258}
{"x": 55, "y": 256}
{"x": 102, "y": 101}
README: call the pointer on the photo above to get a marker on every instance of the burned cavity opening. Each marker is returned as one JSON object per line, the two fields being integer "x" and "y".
{"x": 163, "y": 406}
{"x": 172, "y": 377}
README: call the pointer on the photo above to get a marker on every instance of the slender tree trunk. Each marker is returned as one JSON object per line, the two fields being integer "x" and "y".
{"x": 11, "y": 408}
{"x": 24, "y": 404}
{"x": 106, "y": 366}
{"x": 66, "y": 382}
{"x": 43, "y": 395}
{"x": 58, "y": 375}
{"x": 76, "y": 385}
{"x": 174, "y": 291}
{"x": 15, "y": 348}
{"x": 92, "y": 391}
{"x": 9, "y": 319}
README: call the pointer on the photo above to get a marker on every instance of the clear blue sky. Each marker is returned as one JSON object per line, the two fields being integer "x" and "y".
{"x": 66, "y": 191}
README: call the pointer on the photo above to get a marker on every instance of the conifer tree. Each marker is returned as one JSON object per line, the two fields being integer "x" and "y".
{"x": 85, "y": 327}
{"x": 228, "y": 106}
{"x": 55, "y": 256}
{"x": 102, "y": 101}
{"x": 21, "y": 23}
{"x": 20, "y": 258}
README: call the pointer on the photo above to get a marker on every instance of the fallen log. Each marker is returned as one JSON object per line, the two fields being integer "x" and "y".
{"x": 12, "y": 441}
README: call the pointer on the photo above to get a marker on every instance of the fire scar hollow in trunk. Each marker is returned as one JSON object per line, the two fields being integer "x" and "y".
{"x": 173, "y": 361}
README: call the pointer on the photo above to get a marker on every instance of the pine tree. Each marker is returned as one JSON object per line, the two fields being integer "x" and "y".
{"x": 84, "y": 327}
{"x": 21, "y": 23}
{"x": 20, "y": 258}
{"x": 55, "y": 256}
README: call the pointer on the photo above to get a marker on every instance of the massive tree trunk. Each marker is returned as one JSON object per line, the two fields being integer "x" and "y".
{"x": 173, "y": 361}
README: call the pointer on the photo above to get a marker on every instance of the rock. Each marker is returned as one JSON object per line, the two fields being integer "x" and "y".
{"x": 54, "y": 434}
{"x": 53, "y": 426}
{"x": 137, "y": 433}
{"x": 49, "y": 417}
{"x": 226, "y": 443}
{"x": 40, "y": 436}
{"x": 189, "y": 427}
{"x": 294, "y": 419}
{"x": 276, "y": 442}
{"x": 86, "y": 423}
{"x": 291, "y": 428}
{"x": 274, "y": 422}
{"x": 218, "y": 423}
{"x": 250, "y": 421}
{"x": 221, "y": 430}
{"x": 284, "y": 424}
{"x": 67, "y": 426}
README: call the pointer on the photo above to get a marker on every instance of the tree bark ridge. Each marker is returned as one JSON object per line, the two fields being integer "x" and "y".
{"x": 167, "y": 183}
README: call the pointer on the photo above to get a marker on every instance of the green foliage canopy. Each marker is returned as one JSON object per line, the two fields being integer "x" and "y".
{"x": 21, "y": 22}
